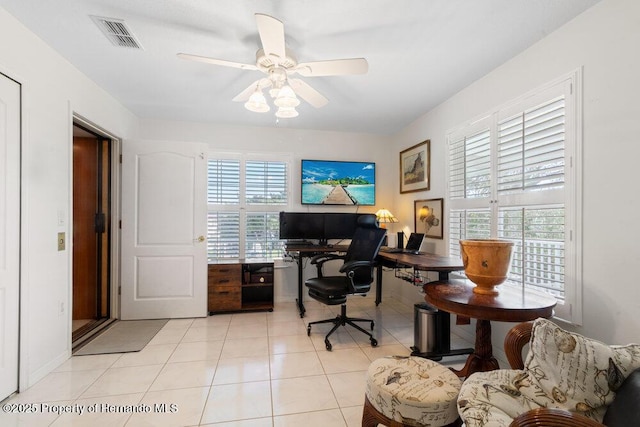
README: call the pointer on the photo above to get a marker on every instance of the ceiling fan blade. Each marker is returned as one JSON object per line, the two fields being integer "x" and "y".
{"x": 271, "y": 33}
{"x": 245, "y": 94}
{"x": 308, "y": 93}
{"x": 214, "y": 61}
{"x": 334, "y": 67}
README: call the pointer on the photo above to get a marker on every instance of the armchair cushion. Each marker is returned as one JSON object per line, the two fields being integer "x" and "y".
{"x": 562, "y": 370}
{"x": 577, "y": 373}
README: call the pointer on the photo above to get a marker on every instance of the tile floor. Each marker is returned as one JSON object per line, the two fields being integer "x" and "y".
{"x": 233, "y": 370}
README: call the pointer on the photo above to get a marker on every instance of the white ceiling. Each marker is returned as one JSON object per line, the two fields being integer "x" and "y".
{"x": 420, "y": 52}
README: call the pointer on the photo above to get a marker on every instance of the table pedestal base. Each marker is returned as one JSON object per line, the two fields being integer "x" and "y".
{"x": 481, "y": 360}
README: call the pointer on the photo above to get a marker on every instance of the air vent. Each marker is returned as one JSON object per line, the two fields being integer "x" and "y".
{"x": 117, "y": 32}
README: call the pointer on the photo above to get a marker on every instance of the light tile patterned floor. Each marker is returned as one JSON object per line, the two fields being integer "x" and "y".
{"x": 234, "y": 370}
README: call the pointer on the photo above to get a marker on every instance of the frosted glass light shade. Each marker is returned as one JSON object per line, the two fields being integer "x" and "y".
{"x": 286, "y": 112}
{"x": 286, "y": 98}
{"x": 257, "y": 103}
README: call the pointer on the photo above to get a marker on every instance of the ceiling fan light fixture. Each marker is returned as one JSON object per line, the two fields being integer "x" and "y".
{"x": 275, "y": 89}
{"x": 286, "y": 112}
{"x": 286, "y": 98}
{"x": 273, "y": 92}
{"x": 257, "y": 102}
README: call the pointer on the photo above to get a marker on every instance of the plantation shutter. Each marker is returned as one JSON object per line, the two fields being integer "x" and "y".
{"x": 266, "y": 182}
{"x": 244, "y": 199}
{"x": 223, "y": 182}
{"x": 468, "y": 224}
{"x": 513, "y": 175}
{"x": 470, "y": 166}
{"x": 531, "y": 149}
{"x": 538, "y": 234}
{"x": 223, "y": 235}
{"x": 262, "y": 235}
{"x": 469, "y": 186}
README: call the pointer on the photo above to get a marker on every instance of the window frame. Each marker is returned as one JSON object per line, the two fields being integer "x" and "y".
{"x": 570, "y": 195}
{"x": 243, "y": 208}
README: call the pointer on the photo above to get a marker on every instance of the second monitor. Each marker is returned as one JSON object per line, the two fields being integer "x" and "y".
{"x": 318, "y": 226}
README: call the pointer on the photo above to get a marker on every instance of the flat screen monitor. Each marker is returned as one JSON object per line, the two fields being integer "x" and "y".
{"x": 329, "y": 182}
{"x": 340, "y": 225}
{"x": 301, "y": 225}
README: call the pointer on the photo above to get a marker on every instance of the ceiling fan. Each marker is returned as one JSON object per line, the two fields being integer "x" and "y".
{"x": 279, "y": 64}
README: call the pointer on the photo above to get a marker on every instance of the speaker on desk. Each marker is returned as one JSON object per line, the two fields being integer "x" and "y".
{"x": 400, "y": 239}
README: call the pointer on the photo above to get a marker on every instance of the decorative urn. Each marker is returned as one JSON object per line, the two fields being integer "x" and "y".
{"x": 486, "y": 263}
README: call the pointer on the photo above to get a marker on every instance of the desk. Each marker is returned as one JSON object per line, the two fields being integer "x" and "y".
{"x": 422, "y": 261}
{"x": 299, "y": 252}
{"x": 427, "y": 262}
{"x": 512, "y": 304}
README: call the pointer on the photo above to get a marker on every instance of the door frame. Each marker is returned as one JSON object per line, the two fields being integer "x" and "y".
{"x": 21, "y": 371}
{"x": 116, "y": 145}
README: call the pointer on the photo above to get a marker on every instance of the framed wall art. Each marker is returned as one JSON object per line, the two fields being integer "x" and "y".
{"x": 329, "y": 182}
{"x": 415, "y": 167}
{"x": 429, "y": 217}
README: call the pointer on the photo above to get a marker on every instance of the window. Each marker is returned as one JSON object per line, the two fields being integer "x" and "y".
{"x": 244, "y": 198}
{"x": 513, "y": 174}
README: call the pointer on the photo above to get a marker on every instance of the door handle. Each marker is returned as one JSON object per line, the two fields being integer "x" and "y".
{"x": 200, "y": 239}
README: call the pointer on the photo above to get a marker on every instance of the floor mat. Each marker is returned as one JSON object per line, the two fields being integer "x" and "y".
{"x": 123, "y": 337}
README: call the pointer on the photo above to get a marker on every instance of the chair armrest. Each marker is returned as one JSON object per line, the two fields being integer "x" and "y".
{"x": 322, "y": 258}
{"x": 514, "y": 342}
{"x": 352, "y": 265}
{"x": 548, "y": 417}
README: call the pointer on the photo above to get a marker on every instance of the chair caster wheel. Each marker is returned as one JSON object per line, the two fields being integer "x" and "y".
{"x": 328, "y": 345}
{"x": 374, "y": 342}
{"x": 308, "y": 330}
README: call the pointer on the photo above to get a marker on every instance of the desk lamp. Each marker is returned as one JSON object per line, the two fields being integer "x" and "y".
{"x": 385, "y": 217}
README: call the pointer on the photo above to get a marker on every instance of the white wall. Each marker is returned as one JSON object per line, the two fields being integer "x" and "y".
{"x": 604, "y": 41}
{"x": 52, "y": 91}
{"x": 297, "y": 144}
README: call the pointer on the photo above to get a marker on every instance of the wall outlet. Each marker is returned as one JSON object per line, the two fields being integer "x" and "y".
{"x": 62, "y": 240}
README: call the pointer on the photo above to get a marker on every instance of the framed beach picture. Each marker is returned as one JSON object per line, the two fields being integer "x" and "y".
{"x": 415, "y": 167}
{"x": 329, "y": 182}
{"x": 429, "y": 218}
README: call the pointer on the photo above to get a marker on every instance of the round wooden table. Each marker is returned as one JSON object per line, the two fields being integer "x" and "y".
{"x": 512, "y": 304}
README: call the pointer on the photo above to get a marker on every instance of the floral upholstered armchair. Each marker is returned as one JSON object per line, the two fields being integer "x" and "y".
{"x": 566, "y": 380}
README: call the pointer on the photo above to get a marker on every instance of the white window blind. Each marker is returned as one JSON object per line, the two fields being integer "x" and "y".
{"x": 468, "y": 224}
{"x": 470, "y": 166}
{"x": 538, "y": 253}
{"x": 223, "y": 231}
{"x": 266, "y": 182}
{"x": 531, "y": 149}
{"x": 223, "y": 182}
{"x": 244, "y": 199}
{"x": 263, "y": 240}
{"x": 508, "y": 178}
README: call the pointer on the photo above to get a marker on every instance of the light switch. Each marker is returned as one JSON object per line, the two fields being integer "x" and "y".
{"x": 61, "y": 241}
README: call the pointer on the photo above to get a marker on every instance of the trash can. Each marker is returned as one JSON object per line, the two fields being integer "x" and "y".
{"x": 424, "y": 333}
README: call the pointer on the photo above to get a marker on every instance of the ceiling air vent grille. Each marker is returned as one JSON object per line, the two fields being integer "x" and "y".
{"x": 117, "y": 32}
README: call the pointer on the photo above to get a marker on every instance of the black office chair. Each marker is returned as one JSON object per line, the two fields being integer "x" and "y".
{"x": 358, "y": 269}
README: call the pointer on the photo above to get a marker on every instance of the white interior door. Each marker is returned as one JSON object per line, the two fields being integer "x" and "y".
{"x": 9, "y": 233}
{"x": 164, "y": 257}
